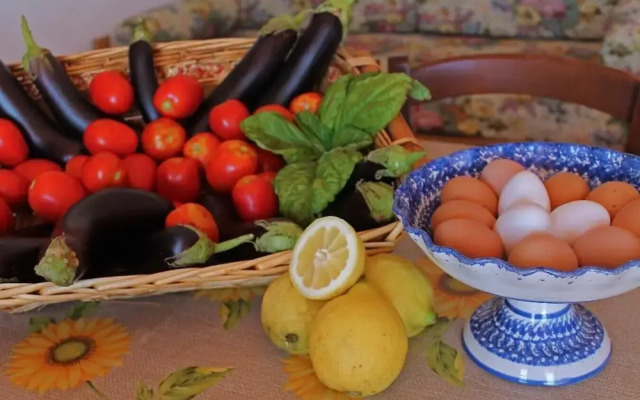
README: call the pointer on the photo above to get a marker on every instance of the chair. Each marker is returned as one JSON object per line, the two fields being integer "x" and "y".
{"x": 612, "y": 91}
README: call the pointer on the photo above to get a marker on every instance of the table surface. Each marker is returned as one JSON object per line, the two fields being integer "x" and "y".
{"x": 171, "y": 332}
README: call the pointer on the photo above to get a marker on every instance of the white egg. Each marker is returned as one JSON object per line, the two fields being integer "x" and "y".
{"x": 520, "y": 221}
{"x": 571, "y": 220}
{"x": 523, "y": 187}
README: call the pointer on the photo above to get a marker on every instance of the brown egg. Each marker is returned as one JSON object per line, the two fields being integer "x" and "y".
{"x": 472, "y": 189}
{"x": 613, "y": 195}
{"x": 543, "y": 250}
{"x": 462, "y": 209}
{"x": 469, "y": 237}
{"x": 565, "y": 187}
{"x": 606, "y": 246}
{"x": 629, "y": 217}
{"x": 498, "y": 172}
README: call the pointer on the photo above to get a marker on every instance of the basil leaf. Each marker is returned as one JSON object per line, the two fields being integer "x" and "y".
{"x": 396, "y": 160}
{"x": 334, "y": 170}
{"x": 352, "y": 137}
{"x": 293, "y": 187}
{"x": 333, "y": 101}
{"x": 271, "y": 131}
{"x": 311, "y": 125}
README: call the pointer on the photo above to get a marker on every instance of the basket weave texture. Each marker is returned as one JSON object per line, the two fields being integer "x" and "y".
{"x": 210, "y": 61}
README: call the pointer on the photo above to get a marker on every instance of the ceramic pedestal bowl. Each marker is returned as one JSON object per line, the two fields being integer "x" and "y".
{"x": 534, "y": 332}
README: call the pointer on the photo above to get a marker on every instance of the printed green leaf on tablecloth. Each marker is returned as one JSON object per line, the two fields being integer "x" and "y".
{"x": 233, "y": 303}
{"x": 442, "y": 358}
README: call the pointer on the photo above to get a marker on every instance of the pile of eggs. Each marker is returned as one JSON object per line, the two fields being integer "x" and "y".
{"x": 561, "y": 223}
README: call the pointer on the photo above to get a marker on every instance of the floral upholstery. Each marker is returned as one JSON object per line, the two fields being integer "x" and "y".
{"x": 621, "y": 46}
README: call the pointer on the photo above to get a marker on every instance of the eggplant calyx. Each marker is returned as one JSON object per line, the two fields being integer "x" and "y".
{"x": 33, "y": 49}
{"x": 341, "y": 9}
{"x": 284, "y": 22}
{"x": 279, "y": 236}
{"x": 141, "y": 32}
{"x": 379, "y": 199}
{"x": 59, "y": 264}
{"x": 196, "y": 254}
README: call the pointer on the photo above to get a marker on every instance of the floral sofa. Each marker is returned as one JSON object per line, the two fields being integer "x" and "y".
{"x": 601, "y": 31}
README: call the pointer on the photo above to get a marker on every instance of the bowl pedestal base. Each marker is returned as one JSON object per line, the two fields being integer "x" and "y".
{"x": 542, "y": 344}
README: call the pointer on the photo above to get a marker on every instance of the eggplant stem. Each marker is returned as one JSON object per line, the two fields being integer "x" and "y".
{"x": 59, "y": 264}
{"x": 233, "y": 243}
{"x": 33, "y": 49}
{"x": 283, "y": 22}
{"x": 141, "y": 31}
{"x": 341, "y": 9}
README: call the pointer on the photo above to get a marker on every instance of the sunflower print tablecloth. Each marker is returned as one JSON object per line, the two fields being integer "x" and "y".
{"x": 210, "y": 345}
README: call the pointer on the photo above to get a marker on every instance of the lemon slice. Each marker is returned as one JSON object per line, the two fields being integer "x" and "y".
{"x": 327, "y": 260}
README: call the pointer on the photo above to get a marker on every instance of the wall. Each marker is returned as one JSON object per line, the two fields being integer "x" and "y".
{"x": 64, "y": 26}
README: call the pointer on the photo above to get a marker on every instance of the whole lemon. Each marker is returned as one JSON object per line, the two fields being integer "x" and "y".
{"x": 406, "y": 287}
{"x": 358, "y": 343}
{"x": 287, "y": 315}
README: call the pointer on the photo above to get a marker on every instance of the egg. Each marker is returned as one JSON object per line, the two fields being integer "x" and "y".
{"x": 565, "y": 187}
{"x": 523, "y": 187}
{"x": 606, "y": 246}
{"x": 519, "y": 222}
{"x": 497, "y": 172}
{"x": 543, "y": 250}
{"x": 573, "y": 219}
{"x": 629, "y": 217}
{"x": 471, "y": 238}
{"x": 472, "y": 189}
{"x": 462, "y": 209}
{"x": 613, "y": 195}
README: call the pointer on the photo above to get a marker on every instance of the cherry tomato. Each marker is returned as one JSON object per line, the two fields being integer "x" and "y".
{"x": 270, "y": 176}
{"x": 31, "y": 169}
{"x": 6, "y": 217}
{"x": 179, "y": 179}
{"x": 194, "y": 215}
{"x": 104, "y": 170}
{"x": 231, "y": 161}
{"x": 111, "y": 92}
{"x": 200, "y": 147}
{"x": 108, "y": 135}
{"x": 255, "y": 198}
{"x": 163, "y": 138}
{"x": 75, "y": 165}
{"x": 13, "y": 147}
{"x": 52, "y": 193}
{"x": 225, "y": 119}
{"x": 276, "y": 108}
{"x": 306, "y": 102}
{"x": 141, "y": 171}
{"x": 178, "y": 96}
{"x": 268, "y": 161}
{"x": 13, "y": 188}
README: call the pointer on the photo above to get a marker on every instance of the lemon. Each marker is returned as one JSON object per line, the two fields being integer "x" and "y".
{"x": 286, "y": 316}
{"x": 358, "y": 343}
{"x": 406, "y": 287}
{"x": 327, "y": 260}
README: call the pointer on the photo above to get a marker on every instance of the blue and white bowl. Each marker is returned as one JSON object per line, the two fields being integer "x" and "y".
{"x": 535, "y": 335}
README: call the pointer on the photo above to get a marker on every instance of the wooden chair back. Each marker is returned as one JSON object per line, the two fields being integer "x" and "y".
{"x": 581, "y": 82}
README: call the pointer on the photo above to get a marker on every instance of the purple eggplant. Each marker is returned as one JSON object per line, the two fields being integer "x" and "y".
{"x": 142, "y": 71}
{"x": 18, "y": 255}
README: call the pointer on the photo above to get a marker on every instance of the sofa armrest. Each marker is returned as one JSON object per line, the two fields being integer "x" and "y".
{"x": 182, "y": 20}
{"x": 621, "y": 46}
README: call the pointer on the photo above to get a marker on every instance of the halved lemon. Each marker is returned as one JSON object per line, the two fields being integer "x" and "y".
{"x": 327, "y": 260}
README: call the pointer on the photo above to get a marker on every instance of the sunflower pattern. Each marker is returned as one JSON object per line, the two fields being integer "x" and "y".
{"x": 304, "y": 382}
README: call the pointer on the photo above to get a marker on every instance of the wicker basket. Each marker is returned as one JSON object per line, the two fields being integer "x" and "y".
{"x": 210, "y": 61}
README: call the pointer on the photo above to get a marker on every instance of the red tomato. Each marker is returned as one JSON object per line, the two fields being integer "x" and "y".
{"x": 13, "y": 147}
{"x": 13, "y": 188}
{"x": 179, "y": 179}
{"x": 306, "y": 102}
{"x": 231, "y": 161}
{"x": 111, "y": 92}
{"x": 108, "y": 135}
{"x": 104, "y": 170}
{"x": 255, "y": 198}
{"x": 268, "y": 161}
{"x": 163, "y": 138}
{"x": 141, "y": 171}
{"x": 31, "y": 169}
{"x": 201, "y": 146}
{"x": 225, "y": 119}
{"x": 178, "y": 96}
{"x": 75, "y": 165}
{"x": 270, "y": 176}
{"x": 276, "y": 108}
{"x": 52, "y": 193}
{"x": 194, "y": 215}
{"x": 6, "y": 217}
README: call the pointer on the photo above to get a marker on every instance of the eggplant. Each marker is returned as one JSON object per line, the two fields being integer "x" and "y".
{"x": 221, "y": 207}
{"x": 42, "y": 230}
{"x": 311, "y": 56}
{"x": 18, "y": 255}
{"x": 253, "y": 74}
{"x": 96, "y": 228}
{"x": 40, "y": 131}
{"x": 73, "y": 111}
{"x": 142, "y": 71}
{"x": 369, "y": 205}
